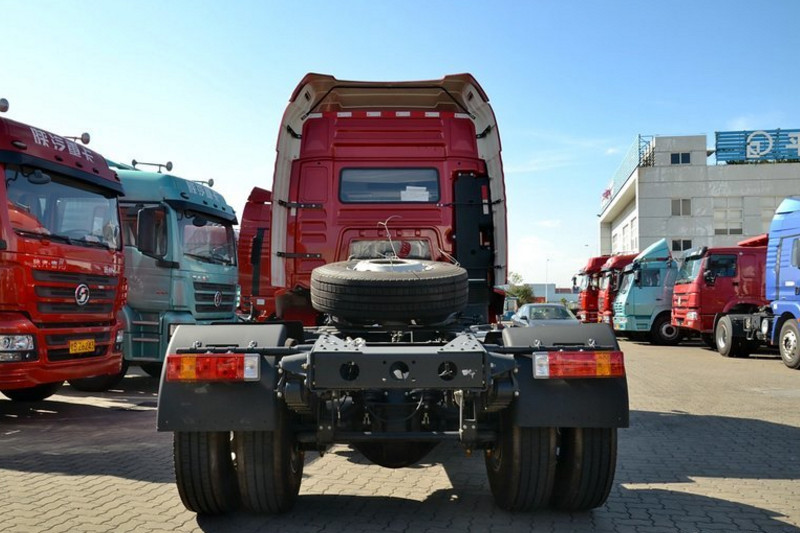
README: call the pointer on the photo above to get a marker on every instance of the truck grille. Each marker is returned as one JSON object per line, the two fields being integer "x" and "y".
{"x": 206, "y": 293}
{"x": 55, "y": 293}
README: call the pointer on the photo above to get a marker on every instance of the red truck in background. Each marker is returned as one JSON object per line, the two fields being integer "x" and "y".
{"x": 61, "y": 263}
{"x": 423, "y": 164}
{"x": 610, "y": 278}
{"x": 714, "y": 282}
{"x": 587, "y": 280}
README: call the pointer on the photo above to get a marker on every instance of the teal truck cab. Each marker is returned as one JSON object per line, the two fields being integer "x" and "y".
{"x": 643, "y": 307}
{"x": 180, "y": 260}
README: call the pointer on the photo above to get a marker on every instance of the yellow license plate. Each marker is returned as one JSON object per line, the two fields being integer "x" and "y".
{"x": 81, "y": 346}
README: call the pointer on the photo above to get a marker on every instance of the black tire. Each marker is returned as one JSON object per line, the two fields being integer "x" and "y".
{"x": 100, "y": 383}
{"x": 587, "y": 461}
{"x": 727, "y": 344}
{"x": 427, "y": 296}
{"x": 269, "y": 465}
{"x": 709, "y": 340}
{"x": 789, "y": 344}
{"x": 663, "y": 332}
{"x": 395, "y": 454}
{"x": 521, "y": 466}
{"x": 723, "y": 335}
{"x": 204, "y": 472}
{"x": 36, "y": 393}
{"x": 152, "y": 369}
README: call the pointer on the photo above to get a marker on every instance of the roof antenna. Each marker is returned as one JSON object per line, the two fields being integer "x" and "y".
{"x": 209, "y": 182}
{"x": 167, "y": 165}
{"x": 3, "y": 105}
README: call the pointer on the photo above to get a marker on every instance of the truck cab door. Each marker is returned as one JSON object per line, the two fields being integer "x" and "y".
{"x": 722, "y": 280}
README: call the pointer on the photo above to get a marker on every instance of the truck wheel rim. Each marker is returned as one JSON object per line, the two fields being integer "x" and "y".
{"x": 789, "y": 344}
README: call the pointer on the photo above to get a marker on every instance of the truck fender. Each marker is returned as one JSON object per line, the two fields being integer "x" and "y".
{"x": 591, "y": 403}
{"x": 222, "y": 406}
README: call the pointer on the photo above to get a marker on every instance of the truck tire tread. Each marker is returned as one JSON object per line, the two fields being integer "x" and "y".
{"x": 586, "y": 465}
{"x": 204, "y": 472}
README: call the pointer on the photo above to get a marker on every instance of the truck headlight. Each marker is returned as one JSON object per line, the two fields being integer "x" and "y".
{"x": 764, "y": 326}
{"x": 691, "y": 315}
{"x": 120, "y": 336}
{"x": 16, "y": 343}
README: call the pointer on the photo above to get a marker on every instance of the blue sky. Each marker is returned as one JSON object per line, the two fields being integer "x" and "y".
{"x": 204, "y": 84}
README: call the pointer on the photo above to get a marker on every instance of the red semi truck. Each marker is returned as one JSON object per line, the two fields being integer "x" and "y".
{"x": 610, "y": 278}
{"x": 714, "y": 282}
{"x": 587, "y": 280}
{"x": 61, "y": 263}
{"x": 386, "y": 223}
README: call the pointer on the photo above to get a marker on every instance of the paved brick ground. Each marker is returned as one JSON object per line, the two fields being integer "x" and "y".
{"x": 714, "y": 445}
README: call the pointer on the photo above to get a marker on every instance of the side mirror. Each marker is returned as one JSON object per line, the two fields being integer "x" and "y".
{"x": 637, "y": 276}
{"x": 151, "y": 232}
{"x": 709, "y": 277}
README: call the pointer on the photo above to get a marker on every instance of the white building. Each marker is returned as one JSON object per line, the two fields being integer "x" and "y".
{"x": 676, "y": 188}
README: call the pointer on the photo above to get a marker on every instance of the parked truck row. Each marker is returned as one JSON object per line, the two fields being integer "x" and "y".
{"x": 735, "y": 298}
{"x": 99, "y": 262}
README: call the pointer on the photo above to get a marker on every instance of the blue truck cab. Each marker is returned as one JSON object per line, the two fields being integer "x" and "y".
{"x": 776, "y": 325}
{"x": 643, "y": 306}
{"x": 180, "y": 261}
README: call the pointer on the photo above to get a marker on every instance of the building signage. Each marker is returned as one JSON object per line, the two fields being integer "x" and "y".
{"x": 758, "y": 145}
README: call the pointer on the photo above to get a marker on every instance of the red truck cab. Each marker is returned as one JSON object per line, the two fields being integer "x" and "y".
{"x": 610, "y": 278}
{"x": 61, "y": 263}
{"x": 713, "y": 282}
{"x": 587, "y": 280}
{"x": 377, "y": 169}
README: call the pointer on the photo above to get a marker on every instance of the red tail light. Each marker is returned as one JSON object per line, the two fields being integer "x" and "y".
{"x": 208, "y": 367}
{"x": 564, "y": 365}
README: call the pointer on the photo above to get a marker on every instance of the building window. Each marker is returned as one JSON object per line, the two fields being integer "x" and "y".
{"x": 614, "y": 243}
{"x": 728, "y": 216}
{"x": 769, "y": 204}
{"x": 681, "y": 245}
{"x": 634, "y": 245}
{"x": 681, "y": 207}
{"x": 624, "y": 237}
{"x": 683, "y": 158}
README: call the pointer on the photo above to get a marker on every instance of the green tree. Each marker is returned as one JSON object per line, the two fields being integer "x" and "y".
{"x": 518, "y": 289}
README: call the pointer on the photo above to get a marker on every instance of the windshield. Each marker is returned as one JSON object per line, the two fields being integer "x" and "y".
{"x": 583, "y": 281}
{"x": 627, "y": 281}
{"x": 689, "y": 270}
{"x": 207, "y": 239}
{"x": 48, "y": 205}
{"x": 604, "y": 281}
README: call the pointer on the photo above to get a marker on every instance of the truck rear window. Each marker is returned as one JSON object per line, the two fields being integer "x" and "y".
{"x": 389, "y": 185}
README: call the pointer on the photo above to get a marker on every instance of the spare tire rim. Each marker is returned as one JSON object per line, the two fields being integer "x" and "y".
{"x": 390, "y": 265}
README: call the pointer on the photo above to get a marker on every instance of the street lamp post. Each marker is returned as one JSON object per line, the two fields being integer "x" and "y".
{"x": 546, "y": 285}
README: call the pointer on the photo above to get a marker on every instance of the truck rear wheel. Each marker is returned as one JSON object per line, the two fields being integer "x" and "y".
{"x": 727, "y": 344}
{"x": 36, "y": 393}
{"x": 521, "y": 466}
{"x": 204, "y": 472}
{"x": 587, "y": 460}
{"x": 788, "y": 344}
{"x": 663, "y": 332}
{"x": 269, "y": 465}
{"x": 379, "y": 290}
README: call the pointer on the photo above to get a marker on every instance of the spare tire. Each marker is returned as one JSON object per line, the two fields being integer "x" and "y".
{"x": 389, "y": 290}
